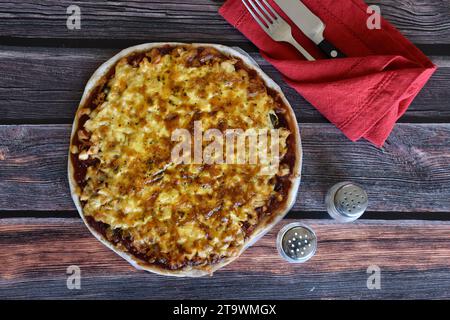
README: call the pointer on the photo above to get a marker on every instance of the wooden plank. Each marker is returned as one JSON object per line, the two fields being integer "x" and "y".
{"x": 179, "y": 21}
{"x": 410, "y": 174}
{"x": 414, "y": 258}
{"x": 50, "y": 89}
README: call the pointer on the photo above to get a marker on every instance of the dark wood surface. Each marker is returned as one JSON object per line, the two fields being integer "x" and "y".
{"x": 424, "y": 22}
{"x": 54, "y": 98}
{"x": 411, "y": 172}
{"x": 43, "y": 70}
{"x": 40, "y": 250}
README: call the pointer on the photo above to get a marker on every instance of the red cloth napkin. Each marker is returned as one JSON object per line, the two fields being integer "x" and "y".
{"x": 364, "y": 94}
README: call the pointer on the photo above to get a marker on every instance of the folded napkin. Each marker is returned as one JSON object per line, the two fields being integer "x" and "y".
{"x": 364, "y": 94}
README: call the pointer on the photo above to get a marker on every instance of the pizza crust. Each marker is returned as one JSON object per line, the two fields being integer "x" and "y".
{"x": 262, "y": 228}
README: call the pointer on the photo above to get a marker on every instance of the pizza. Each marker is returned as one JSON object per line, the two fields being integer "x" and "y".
{"x": 181, "y": 216}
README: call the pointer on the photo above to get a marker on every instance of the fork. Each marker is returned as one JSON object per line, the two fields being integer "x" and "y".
{"x": 273, "y": 24}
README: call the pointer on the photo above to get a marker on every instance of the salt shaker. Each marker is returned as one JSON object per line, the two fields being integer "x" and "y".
{"x": 296, "y": 243}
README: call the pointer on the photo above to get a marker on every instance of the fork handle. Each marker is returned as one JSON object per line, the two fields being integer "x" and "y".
{"x": 302, "y": 50}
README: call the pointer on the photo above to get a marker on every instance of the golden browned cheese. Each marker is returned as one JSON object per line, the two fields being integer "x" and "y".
{"x": 176, "y": 214}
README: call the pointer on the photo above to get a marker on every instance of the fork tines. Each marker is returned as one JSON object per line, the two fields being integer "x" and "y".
{"x": 256, "y": 9}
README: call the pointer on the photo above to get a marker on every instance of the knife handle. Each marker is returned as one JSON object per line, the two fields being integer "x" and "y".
{"x": 330, "y": 50}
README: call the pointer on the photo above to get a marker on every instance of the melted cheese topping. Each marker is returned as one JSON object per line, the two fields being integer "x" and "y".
{"x": 176, "y": 215}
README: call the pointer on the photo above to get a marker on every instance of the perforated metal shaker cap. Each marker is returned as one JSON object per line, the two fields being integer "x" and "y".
{"x": 346, "y": 201}
{"x": 296, "y": 243}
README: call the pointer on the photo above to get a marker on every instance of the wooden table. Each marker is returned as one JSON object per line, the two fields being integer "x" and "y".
{"x": 43, "y": 70}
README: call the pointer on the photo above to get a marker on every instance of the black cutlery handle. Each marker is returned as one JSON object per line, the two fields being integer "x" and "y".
{"x": 330, "y": 50}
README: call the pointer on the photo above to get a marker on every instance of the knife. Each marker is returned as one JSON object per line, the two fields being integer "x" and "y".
{"x": 309, "y": 24}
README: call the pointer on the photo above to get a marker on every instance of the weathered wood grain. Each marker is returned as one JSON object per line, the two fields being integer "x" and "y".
{"x": 411, "y": 174}
{"x": 41, "y": 83}
{"x": 414, "y": 258}
{"x": 422, "y": 21}
{"x": 44, "y": 85}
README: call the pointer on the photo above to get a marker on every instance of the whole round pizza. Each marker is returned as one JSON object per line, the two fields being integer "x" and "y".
{"x": 182, "y": 155}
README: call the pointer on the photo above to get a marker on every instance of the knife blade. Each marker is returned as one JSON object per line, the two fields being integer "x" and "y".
{"x": 309, "y": 24}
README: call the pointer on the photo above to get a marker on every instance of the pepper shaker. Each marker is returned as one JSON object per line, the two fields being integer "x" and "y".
{"x": 346, "y": 202}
